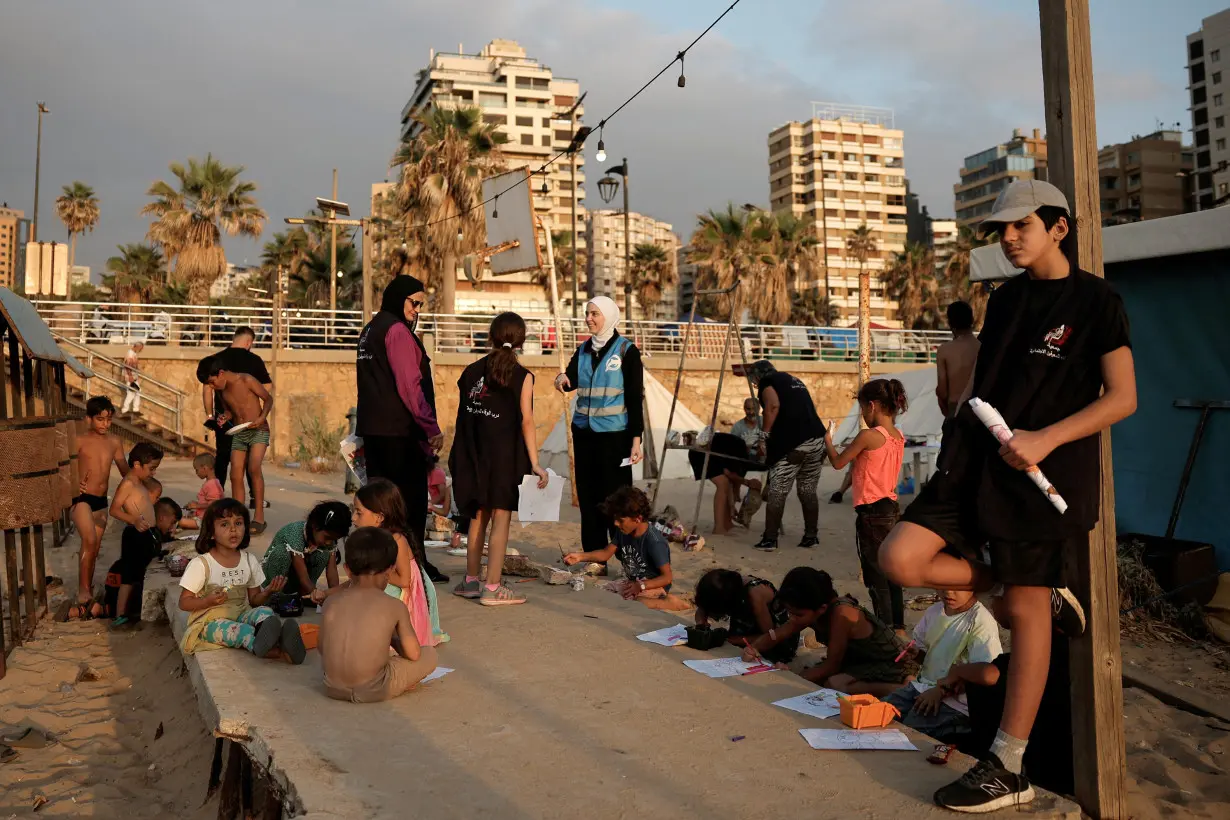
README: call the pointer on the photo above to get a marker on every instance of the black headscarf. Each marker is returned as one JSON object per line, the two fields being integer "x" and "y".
{"x": 396, "y": 294}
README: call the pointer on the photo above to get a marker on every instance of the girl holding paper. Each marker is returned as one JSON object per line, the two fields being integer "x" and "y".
{"x": 607, "y": 373}
{"x": 494, "y": 446}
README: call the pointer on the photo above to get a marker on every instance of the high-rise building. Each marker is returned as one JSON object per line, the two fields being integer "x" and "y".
{"x": 13, "y": 230}
{"x": 985, "y": 174}
{"x": 943, "y": 240}
{"x": 530, "y": 105}
{"x": 687, "y": 280}
{"x": 841, "y": 169}
{"x": 1145, "y": 178}
{"x": 604, "y": 237}
{"x": 525, "y": 100}
{"x": 1208, "y": 94}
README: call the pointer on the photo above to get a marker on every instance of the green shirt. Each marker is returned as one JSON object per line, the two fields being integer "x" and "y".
{"x": 289, "y": 541}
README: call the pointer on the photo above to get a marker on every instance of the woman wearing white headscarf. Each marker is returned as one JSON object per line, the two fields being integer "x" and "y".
{"x": 608, "y": 421}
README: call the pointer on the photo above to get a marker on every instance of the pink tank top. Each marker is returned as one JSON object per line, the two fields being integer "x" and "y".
{"x": 876, "y": 471}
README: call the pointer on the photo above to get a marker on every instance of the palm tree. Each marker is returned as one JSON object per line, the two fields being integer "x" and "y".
{"x": 442, "y": 170}
{"x": 136, "y": 274}
{"x": 808, "y": 308}
{"x": 860, "y": 245}
{"x": 796, "y": 248}
{"x": 652, "y": 275}
{"x": 190, "y": 217}
{"x": 737, "y": 245}
{"x": 956, "y": 275}
{"x": 310, "y": 278}
{"x": 911, "y": 281}
{"x": 283, "y": 253}
{"x": 77, "y": 208}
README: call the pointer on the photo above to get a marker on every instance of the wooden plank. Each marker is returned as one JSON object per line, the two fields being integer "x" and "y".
{"x": 40, "y": 568}
{"x": 27, "y": 577}
{"x": 1180, "y": 697}
{"x": 10, "y": 571}
{"x": 1096, "y": 665}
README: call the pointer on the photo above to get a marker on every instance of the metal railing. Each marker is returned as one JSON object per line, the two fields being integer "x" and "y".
{"x": 93, "y": 323}
{"x": 168, "y": 401}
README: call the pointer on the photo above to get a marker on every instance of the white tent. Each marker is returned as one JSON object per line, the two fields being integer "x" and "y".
{"x": 921, "y": 421}
{"x": 554, "y": 451}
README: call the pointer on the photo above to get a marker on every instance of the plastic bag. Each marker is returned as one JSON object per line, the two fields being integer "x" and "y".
{"x": 354, "y": 456}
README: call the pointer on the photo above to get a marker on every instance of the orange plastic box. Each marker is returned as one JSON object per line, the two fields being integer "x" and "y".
{"x": 310, "y": 634}
{"x": 866, "y": 712}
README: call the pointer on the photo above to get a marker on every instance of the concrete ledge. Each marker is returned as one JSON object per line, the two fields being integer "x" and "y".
{"x": 556, "y": 711}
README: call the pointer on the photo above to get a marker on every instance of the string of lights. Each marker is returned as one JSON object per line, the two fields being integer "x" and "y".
{"x": 583, "y": 133}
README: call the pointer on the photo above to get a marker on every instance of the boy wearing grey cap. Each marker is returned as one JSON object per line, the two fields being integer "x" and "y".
{"x": 1056, "y": 361}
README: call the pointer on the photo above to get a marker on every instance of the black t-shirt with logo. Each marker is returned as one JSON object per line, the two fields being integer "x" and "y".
{"x": 1040, "y": 362}
{"x": 796, "y": 421}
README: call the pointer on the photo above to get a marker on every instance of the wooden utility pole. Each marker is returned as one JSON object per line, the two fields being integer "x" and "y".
{"x": 333, "y": 260}
{"x": 275, "y": 343}
{"x": 1092, "y": 574}
{"x": 561, "y": 359}
{"x": 366, "y": 232}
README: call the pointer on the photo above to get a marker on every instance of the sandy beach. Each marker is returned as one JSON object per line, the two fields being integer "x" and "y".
{"x": 131, "y": 743}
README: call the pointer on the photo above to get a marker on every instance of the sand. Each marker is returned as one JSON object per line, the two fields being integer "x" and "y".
{"x": 1176, "y": 760}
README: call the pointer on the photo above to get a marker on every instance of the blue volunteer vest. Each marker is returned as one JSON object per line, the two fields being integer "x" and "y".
{"x": 600, "y": 394}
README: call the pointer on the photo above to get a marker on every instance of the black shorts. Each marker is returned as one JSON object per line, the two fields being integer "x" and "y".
{"x": 137, "y": 549}
{"x": 96, "y": 502}
{"x": 945, "y": 510}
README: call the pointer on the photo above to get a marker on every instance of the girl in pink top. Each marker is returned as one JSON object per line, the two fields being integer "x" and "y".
{"x": 210, "y": 492}
{"x": 876, "y": 453}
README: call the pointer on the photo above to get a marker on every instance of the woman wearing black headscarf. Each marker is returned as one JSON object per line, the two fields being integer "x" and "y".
{"x": 397, "y": 401}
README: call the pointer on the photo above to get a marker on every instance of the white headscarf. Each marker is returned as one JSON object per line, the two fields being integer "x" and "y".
{"x": 610, "y": 318}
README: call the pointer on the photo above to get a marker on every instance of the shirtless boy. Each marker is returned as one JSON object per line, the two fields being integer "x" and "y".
{"x": 361, "y": 622}
{"x": 955, "y": 360}
{"x": 97, "y": 450}
{"x": 132, "y": 503}
{"x": 247, "y": 402}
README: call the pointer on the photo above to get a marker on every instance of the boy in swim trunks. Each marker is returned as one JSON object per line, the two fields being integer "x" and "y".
{"x": 247, "y": 402}
{"x": 361, "y": 622}
{"x": 97, "y": 450}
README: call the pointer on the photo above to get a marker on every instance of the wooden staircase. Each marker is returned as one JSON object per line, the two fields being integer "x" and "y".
{"x": 132, "y": 429}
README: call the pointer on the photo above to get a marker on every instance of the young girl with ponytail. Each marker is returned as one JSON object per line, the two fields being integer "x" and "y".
{"x": 877, "y": 453}
{"x": 494, "y": 447}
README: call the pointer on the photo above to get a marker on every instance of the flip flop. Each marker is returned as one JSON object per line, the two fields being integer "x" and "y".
{"x": 6, "y": 754}
{"x": 75, "y": 611}
{"x": 27, "y": 737}
{"x": 258, "y": 527}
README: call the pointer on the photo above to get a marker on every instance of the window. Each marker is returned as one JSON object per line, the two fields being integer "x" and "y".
{"x": 1215, "y": 55}
{"x": 1219, "y": 122}
{"x": 850, "y": 157}
{"x": 1197, "y": 73}
{"x": 1133, "y": 159}
{"x": 1216, "y": 78}
{"x": 1133, "y": 181}
{"x": 525, "y": 122}
{"x": 495, "y": 119}
{"x": 1222, "y": 188}
{"x": 1217, "y": 100}
{"x": 527, "y": 139}
{"x": 851, "y": 176}
{"x": 1200, "y": 116}
{"x": 1195, "y": 50}
{"x": 1199, "y": 96}
{"x": 1220, "y": 145}
{"x": 546, "y": 140}
{"x": 546, "y": 122}
{"x": 1202, "y": 137}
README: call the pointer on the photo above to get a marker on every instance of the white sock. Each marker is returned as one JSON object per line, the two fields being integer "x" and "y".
{"x": 1010, "y": 751}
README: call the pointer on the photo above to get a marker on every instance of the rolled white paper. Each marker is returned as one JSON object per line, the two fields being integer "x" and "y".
{"x": 994, "y": 422}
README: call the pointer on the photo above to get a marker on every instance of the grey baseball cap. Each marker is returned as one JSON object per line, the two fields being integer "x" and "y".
{"x": 1020, "y": 199}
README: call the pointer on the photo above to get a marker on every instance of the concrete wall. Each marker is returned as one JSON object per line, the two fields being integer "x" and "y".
{"x": 321, "y": 384}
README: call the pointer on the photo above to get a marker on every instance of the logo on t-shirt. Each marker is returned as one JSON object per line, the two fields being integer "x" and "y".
{"x": 614, "y": 363}
{"x": 479, "y": 391}
{"x": 1053, "y": 341}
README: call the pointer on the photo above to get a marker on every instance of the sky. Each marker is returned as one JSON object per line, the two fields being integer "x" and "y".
{"x": 291, "y": 89}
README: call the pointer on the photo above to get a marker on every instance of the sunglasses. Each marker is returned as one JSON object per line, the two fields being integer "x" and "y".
{"x": 418, "y": 303}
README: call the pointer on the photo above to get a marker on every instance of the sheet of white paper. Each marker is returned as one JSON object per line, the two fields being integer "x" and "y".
{"x": 820, "y": 704}
{"x": 670, "y": 636}
{"x": 856, "y": 739}
{"x": 627, "y": 462}
{"x": 540, "y": 505}
{"x": 726, "y": 667}
{"x": 188, "y": 536}
{"x": 439, "y": 672}
{"x": 435, "y": 544}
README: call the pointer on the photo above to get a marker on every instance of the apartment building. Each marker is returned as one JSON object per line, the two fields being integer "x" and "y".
{"x": 841, "y": 169}
{"x": 605, "y": 273}
{"x": 1208, "y": 90}
{"x": 943, "y": 240}
{"x": 687, "y": 280}
{"x": 985, "y": 174}
{"x": 14, "y": 230}
{"x": 1146, "y": 178}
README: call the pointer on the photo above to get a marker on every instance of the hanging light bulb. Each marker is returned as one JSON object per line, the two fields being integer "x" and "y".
{"x": 683, "y": 81}
{"x": 495, "y": 212}
{"x": 601, "y": 155}
{"x": 544, "y": 187}
{"x": 460, "y": 236}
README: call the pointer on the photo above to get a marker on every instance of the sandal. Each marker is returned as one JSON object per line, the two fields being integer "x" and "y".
{"x": 27, "y": 737}
{"x": 258, "y": 527}
{"x": 76, "y": 611}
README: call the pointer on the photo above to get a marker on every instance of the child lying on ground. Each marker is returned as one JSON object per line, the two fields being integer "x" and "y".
{"x": 361, "y": 622}
{"x": 222, "y": 591}
{"x": 641, "y": 550}
{"x": 955, "y": 632}
{"x": 862, "y": 652}
{"x": 137, "y": 549}
{"x": 758, "y": 620}
{"x": 211, "y": 490}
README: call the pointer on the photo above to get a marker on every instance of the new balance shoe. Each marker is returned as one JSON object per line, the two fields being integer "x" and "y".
{"x": 1067, "y": 612}
{"x": 987, "y": 787}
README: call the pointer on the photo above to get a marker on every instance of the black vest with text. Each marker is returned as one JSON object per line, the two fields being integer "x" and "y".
{"x": 381, "y": 411}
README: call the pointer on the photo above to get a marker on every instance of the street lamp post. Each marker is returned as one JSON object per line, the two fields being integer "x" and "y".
{"x": 824, "y": 242}
{"x": 38, "y": 161}
{"x": 606, "y": 188}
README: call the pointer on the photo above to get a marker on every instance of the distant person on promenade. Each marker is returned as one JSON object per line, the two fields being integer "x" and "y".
{"x": 238, "y": 358}
{"x": 397, "y": 402}
{"x": 793, "y": 449}
{"x": 494, "y": 447}
{"x": 248, "y": 405}
{"x": 360, "y": 624}
{"x": 609, "y": 418}
{"x": 132, "y": 380}
{"x": 954, "y": 361}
